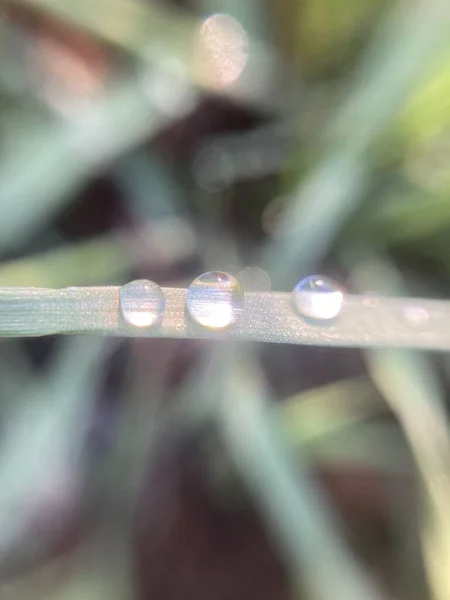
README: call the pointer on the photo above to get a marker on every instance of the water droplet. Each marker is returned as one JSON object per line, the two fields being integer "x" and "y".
{"x": 142, "y": 303}
{"x": 215, "y": 300}
{"x": 318, "y": 297}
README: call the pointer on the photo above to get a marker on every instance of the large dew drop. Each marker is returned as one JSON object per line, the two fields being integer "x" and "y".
{"x": 142, "y": 303}
{"x": 215, "y": 300}
{"x": 317, "y": 297}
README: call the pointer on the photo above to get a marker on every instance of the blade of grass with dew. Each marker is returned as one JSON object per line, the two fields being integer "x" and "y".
{"x": 266, "y": 317}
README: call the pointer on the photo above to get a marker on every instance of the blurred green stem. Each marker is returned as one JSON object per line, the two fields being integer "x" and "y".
{"x": 409, "y": 385}
{"x": 322, "y": 203}
{"x": 302, "y": 523}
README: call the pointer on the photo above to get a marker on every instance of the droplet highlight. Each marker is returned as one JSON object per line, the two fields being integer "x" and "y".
{"x": 317, "y": 297}
{"x": 215, "y": 300}
{"x": 142, "y": 303}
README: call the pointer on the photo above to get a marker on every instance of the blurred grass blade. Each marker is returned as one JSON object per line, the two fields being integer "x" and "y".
{"x": 412, "y": 390}
{"x": 43, "y": 460}
{"x": 321, "y": 411}
{"x": 323, "y": 202}
{"x": 99, "y": 260}
{"x": 112, "y": 124}
{"x": 298, "y": 513}
{"x": 336, "y": 426}
{"x": 130, "y": 24}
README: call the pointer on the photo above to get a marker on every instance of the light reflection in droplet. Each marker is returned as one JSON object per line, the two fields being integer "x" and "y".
{"x": 215, "y": 300}
{"x": 142, "y": 303}
{"x": 224, "y": 45}
{"x": 318, "y": 297}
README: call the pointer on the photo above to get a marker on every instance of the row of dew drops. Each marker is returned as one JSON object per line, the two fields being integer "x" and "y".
{"x": 215, "y": 300}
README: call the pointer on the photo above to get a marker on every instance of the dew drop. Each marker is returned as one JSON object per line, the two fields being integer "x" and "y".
{"x": 318, "y": 297}
{"x": 215, "y": 300}
{"x": 142, "y": 303}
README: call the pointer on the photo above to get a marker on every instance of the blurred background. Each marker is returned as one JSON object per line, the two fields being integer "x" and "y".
{"x": 272, "y": 140}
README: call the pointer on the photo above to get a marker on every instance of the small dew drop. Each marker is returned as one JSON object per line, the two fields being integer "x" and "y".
{"x": 142, "y": 303}
{"x": 215, "y": 300}
{"x": 318, "y": 297}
